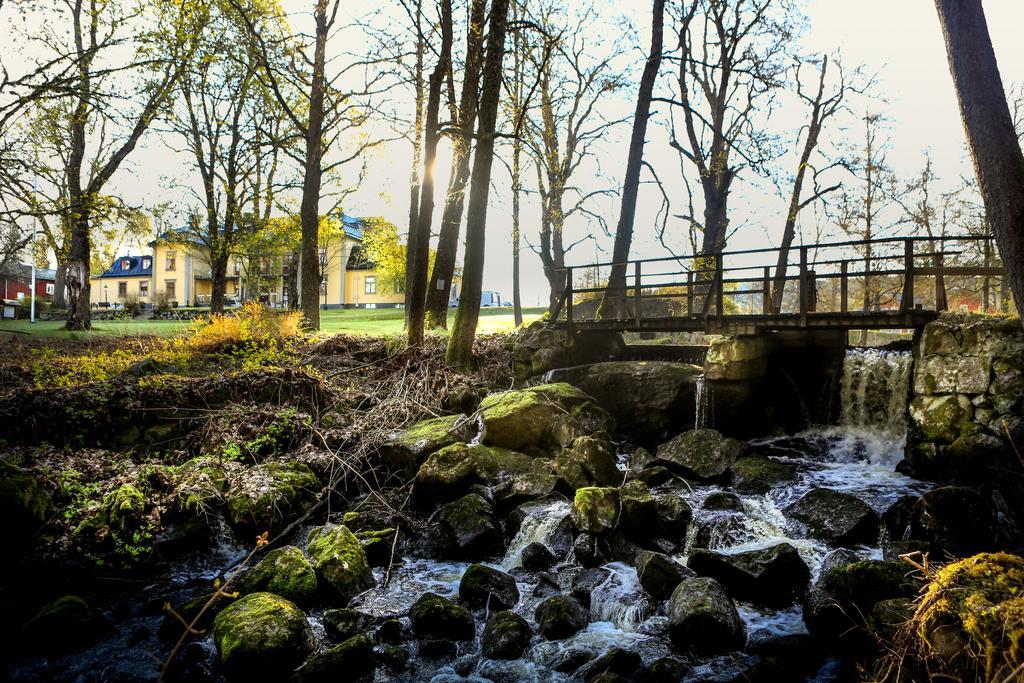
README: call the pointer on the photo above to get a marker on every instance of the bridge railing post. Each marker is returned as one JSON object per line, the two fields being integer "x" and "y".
{"x": 803, "y": 286}
{"x": 719, "y": 285}
{"x": 766, "y": 294}
{"x": 689, "y": 294}
{"x": 568, "y": 294}
{"x": 908, "y": 275}
{"x": 636, "y": 292}
{"x": 844, "y": 286}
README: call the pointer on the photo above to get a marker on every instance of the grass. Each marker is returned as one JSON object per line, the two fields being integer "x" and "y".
{"x": 379, "y": 321}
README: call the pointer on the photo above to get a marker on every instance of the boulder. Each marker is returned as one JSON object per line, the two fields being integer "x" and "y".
{"x": 544, "y": 416}
{"x": 639, "y": 511}
{"x": 618, "y": 662}
{"x": 940, "y": 418}
{"x": 339, "y": 561}
{"x": 952, "y": 375}
{"x": 559, "y": 617}
{"x": 343, "y": 623}
{"x": 757, "y": 474}
{"x": 65, "y": 624}
{"x": 484, "y": 586}
{"x": 23, "y": 501}
{"x": 588, "y": 461}
{"x": 591, "y": 550}
{"x": 450, "y": 472}
{"x": 538, "y": 348}
{"x": 526, "y": 488}
{"x": 584, "y": 583}
{"x": 836, "y": 517}
{"x": 659, "y": 574}
{"x": 285, "y": 572}
{"x": 377, "y": 544}
{"x": 349, "y": 661}
{"x": 405, "y": 451}
{"x": 433, "y": 616}
{"x": 595, "y": 510}
{"x": 738, "y": 357}
{"x": 506, "y": 636}
{"x": 703, "y": 619}
{"x": 674, "y": 514}
{"x": 723, "y": 501}
{"x": 700, "y": 453}
{"x": 847, "y": 593}
{"x": 261, "y": 636}
{"x": 467, "y": 529}
{"x": 775, "y": 576}
{"x": 646, "y": 398}
{"x": 267, "y": 496}
{"x": 537, "y": 557}
{"x": 953, "y": 520}
{"x": 665, "y": 670}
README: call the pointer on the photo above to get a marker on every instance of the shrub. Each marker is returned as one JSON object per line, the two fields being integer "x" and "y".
{"x": 161, "y": 302}
{"x": 253, "y": 328}
{"x": 132, "y": 305}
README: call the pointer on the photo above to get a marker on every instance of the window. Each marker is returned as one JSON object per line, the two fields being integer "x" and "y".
{"x": 49, "y": 288}
{"x": 147, "y": 263}
{"x": 171, "y": 258}
{"x": 169, "y": 289}
{"x": 238, "y": 266}
{"x": 370, "y": 285}
{"x": 126, "y": 264}
{"x": 122, "y": 289}
{"x": 143, "y": 287}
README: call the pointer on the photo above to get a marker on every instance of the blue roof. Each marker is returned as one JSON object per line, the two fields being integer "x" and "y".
{"x": 353, "y": 226}
{"x": 134, "y": 266}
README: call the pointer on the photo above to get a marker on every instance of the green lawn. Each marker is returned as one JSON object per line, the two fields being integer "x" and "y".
{"x": 357, "y": 320}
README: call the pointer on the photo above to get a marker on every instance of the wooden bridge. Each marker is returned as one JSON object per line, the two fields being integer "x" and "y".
{"x": 890, "y": 283}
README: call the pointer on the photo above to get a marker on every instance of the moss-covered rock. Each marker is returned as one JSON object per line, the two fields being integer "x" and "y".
{"x": 506, "y": 636}
{"x": 433, "y": 616}
{"x": 544, "y": 416}
{"x": 448, "y": 473}
{"x": 701, "y": 453}
{"x": 405, "y": 451}
{"x": 775, "y": 576}
{"x": 559, "y": 617}
{"x": 588, "y": 461}
{"x": 23, "y": 501}
{"x": 940, "y": 418}
{"x": 467, "y": 529}
{"x": 266, "y": 497}
{"x": 756, "y": 474}
{"x": 702, "y": 618}
{"x": 377, "y": 544}
{"x": 484, "y": 586}
{"x": 339, "y": 561}
{"x": 659, "y": 574}
{"x": 639, "y": 511}
{"x": 65, "y": 624}
{"x": 343, "y": 623}
{"x": 953, "y": 520}
{"x": 285, "y": 572}
{"x": 836, "y": 517}
{"x": 352, "y": 660}
{"x": 199, "y": 485}
{"x": 595, "y": 510}
{"x": 261, "y": 637}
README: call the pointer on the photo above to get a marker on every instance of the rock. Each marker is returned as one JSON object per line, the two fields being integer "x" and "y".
{"x": 723, "y": 500}
{"x": 285, "y": 572}
{"x": 889, "y": 616}
{"x": 701, "y": 453}
{"x": 193, "y": 664}
{"x": 65, "y": 624}
{"x": 659, "y": 574}
{"x": 757, "y": 474}
{"x": 896, "y": 518}
{"x": 450, "y": 472}
{"x": 940, "y": 418}
{"x": 393, "y": 657}
{"x": 343, "y": 623}
{"x": 738, "y": 358}
{"x": 591, "y": 550}
{"x": 339, "y": 561}
{"x": 953, "y": 520}
{"x": 405, "y": 452}
{"x": 617, "y": 661}
{"x": 937, "y": 338}
{"x": 467, "y": 529}
{"x": 703, "y": 619}
{"x": 570, "y": 659}
{"x": 348, "y": 661}
{"x": 261, "y": 636}
{"x": 23, "y": 502}
{"x": 391, "y": 631}
{"x": 377, "y": 545}
{"x": 992, "y": 336}
{"x": 588, "y": 461}
{"x": 559, "y": 617}
{"x": 595, "y": 510}
{"x": 537, "y": 557}
{"x": 665, "y": 670}
{"x": 951, "y": 375}
{"x": 655, "y": 475}
{"x": 646, "y": 398}
{"x": 639, "y": 511}
{"x": 483, "y": 586}
{"x": 506, "y": 636}
{"x": 674, "y": 513}
{"x": 433, "y": 616}
{"x": 543, "y": 416}
{"x": 836, "y": 517}
{"x": 538, "y": 348}
{"x": 526, "y": 488}
{"x": 268, "y": 495}
{"x": 837, "y": 558}
{"x": 584, "y": 583}
{"x": 846, "y": 593}
{"x": 774, "y": 576}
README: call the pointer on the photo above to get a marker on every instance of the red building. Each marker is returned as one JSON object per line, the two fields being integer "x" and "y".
{"x": 16, "y": 281}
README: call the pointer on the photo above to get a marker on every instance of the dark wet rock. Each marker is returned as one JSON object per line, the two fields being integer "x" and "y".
{"x": 65, "y": 624}
{"x": 724, "y": 529}
{"x": 543, "y": 416}
{"x": 451, "y": 472}
{"x": 433, "y": 616}
{"x": 836, "y": 517}
{"x": 285, "y": 572}
{"x": 622, "y": 548}
{"x": 378, "y": 545}
{"x": 953, "y": 520}
{"x": 659, "y": 574}
{"x": 539, "y": 347}
{"x": 467, "y": 529}
{"x": 193, "y": 664}
{"x": 723, "y": 500}
{"x": 267, "y": 496}
{"x": 655, "y": 475}
{"x": 591, "y": 550}
{"x": 352, "y": 660}
{"x": 887, "y": 617}
{"x": 547, "y": 585}
{"x": 588, "y": 461}
{"x": 23, "y": 502}
{"x": 441, "y": 648}
{"x": 464, "y": 665}
{"x": 703, "y": 619}
{"x": 897, "y": 516}
{"x": 526, "y": 488}
{"x": 595, "y": 510}
{"x": 701, "y": 453}
{"x": 537, "y": 557}
{"x": 618, "y": 661}
{"x": 391, "y": 631}
{"x": 484, "y": 586}
{"x": 757, "y": 474}
{"x": 783, "y": 657}
{"x": 639, "y": 516}
{"x": 584, "y": 583}
{"x": 674, "y": 514}
{"x": 775, "y": 576}
{"x": 261, "y": 636}
{"x": 837, "y": 558}
{"x": 570, "y": 659}
{"x": 506, "y": 636}
{"x": 664, "y": 670}
{"x": 344, "y": 623}
{"x": 339, "y": 561}
{"x": 405, "y": 451}
{"x": 559, "y": 617}
{"x": 394, "y": 657}
{"x": 170, "y": 626}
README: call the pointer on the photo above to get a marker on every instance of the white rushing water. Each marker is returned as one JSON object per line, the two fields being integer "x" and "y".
{"x": 539, "y": 525}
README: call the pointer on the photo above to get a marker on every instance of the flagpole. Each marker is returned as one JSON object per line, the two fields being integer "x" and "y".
{"x": 35, "y": 232}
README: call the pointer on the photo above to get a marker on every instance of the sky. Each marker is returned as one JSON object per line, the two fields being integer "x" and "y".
{"x": 897, "y": 40}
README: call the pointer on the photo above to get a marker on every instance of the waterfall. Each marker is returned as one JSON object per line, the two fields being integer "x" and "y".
{"x": 540, "y": 523}
{"x": 619, "y": 599}
{"x": 873, "y": 395}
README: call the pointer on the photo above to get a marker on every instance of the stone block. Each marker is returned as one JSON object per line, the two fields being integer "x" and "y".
{"x": 940, "y": 418}
{"x": 952, "y": 375}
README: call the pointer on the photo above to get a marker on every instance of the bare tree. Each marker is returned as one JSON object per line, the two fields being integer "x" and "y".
{"x": 995, "y": 147}
{"x": 613, "y": 304}
{"x": 419, "y": 90}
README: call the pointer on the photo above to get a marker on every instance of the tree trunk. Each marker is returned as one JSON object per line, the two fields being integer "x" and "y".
{"x": 419, "y": 242}
{"x": 994, "y": 145}
{"x": 78, "y": 275}
{"x": 218, "y": 282}
{"x": 517, "y": 304}
{"x": 417, "y": 150}
{"x": 60, "y": 299}
{"x": 460, "y": 344}
{"x": 440, "y": 288}
{"x": 613, "y": 303}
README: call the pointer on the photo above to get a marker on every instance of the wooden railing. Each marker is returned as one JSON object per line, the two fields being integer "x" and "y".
{"x": 741, "y": 282}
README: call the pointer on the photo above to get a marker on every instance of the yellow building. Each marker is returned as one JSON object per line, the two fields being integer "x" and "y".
{"x": 182, "y": 273}
{"x": 129, "y": 278}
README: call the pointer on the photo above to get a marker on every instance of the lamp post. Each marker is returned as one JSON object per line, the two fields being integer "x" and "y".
{"x": 104, "y": 292}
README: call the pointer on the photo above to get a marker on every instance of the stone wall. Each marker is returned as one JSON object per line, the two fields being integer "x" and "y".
{"x": 968, "y": 389}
